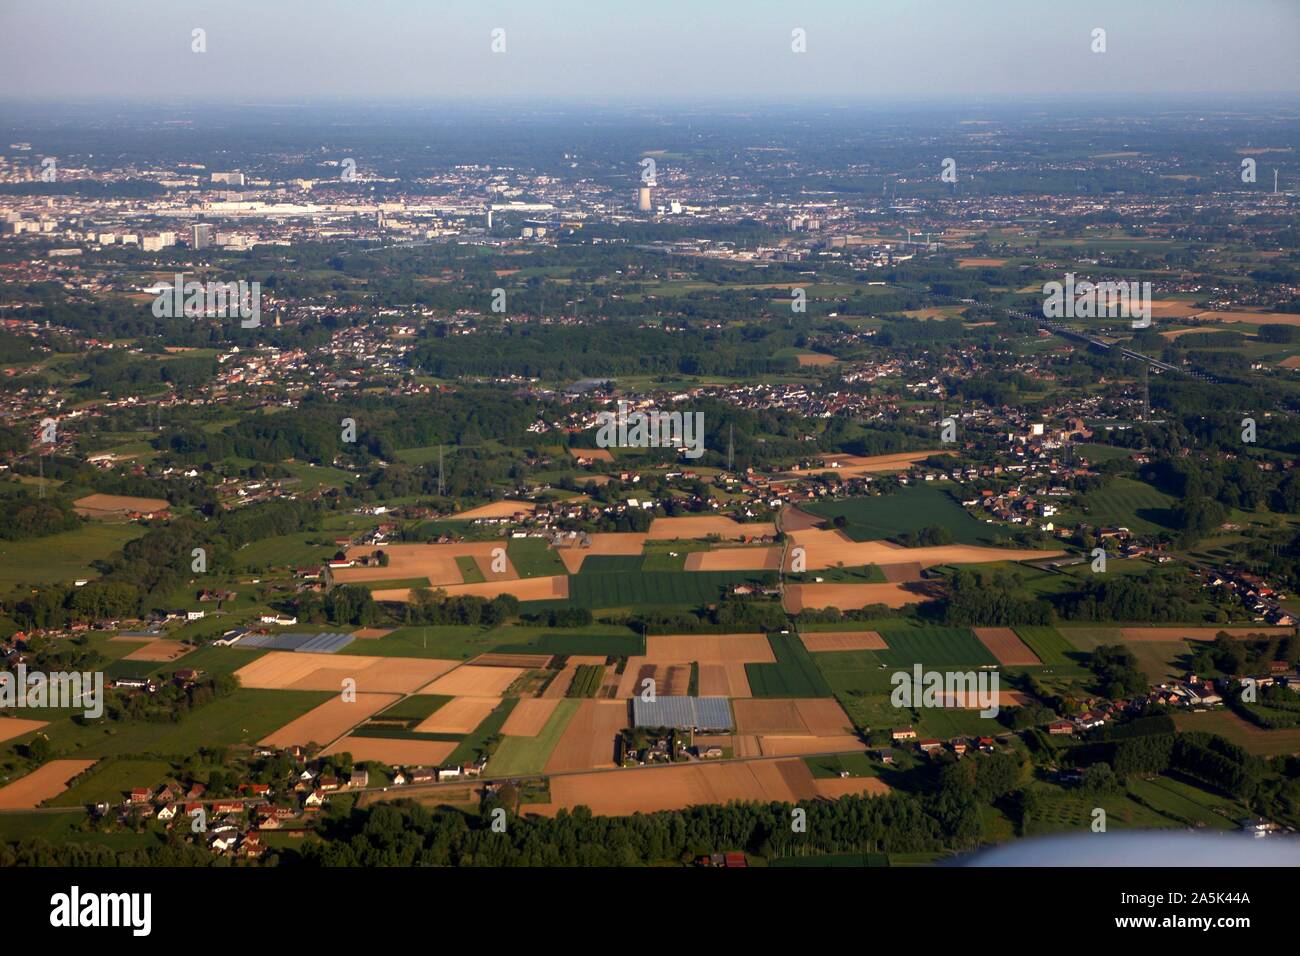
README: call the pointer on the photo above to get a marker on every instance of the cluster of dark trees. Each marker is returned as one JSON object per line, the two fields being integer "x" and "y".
{"x": 24, "y": 517}
{"x": 978, "y": 598}
{"x": 1116, "y": 669}
{"x": 1151, "y": 745}
{"x": 345, "y": 604}
{"x": 729, "y": 615}
{"x": 1228, "y": 655}
{"x": 559, "y": 617}
{"x": 1161, "y": 595}
{"x": 932, "y": 535}
{"x": 432, "y": 607}
{"x": 171, "y": 702}
{"x": 407, "y": 834}
{"x": 1232, "y": 483}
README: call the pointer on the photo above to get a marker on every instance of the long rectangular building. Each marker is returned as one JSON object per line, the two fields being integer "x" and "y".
{"x": 684, "y": 713}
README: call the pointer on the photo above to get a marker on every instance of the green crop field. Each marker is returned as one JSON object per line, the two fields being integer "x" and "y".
{"x": 865, "y": 574}
{"x": 1161, "y": 660}
{"x": 1072, "y": 812}
{"x": 245, "y": 716}
{"x": 943, "y": 723}
{"x": 1052, "y": 649}
{"x": 1180, "y": 800}
{"x": 611, "y": 563}
{"x": 586, "y": 680}
{"x": 613, "y": 589}
{"x": 534, "y": 558}
{"x": 855, "y": 765}
{"x": 524, "y": 755}
{"x": 111, "y": 781}
{"x": 667, "y": 555}
{"x": 934, "y": 647}
{"x": 415, "y": 708}
{"x": 1131, "y": 504}
{"x": 470, "y": 572}
{"x": 1250, "y": 737}
{"x": 793, "y": 675}
{"x": 63, "y": 558}
{"x": 910, "y": 509}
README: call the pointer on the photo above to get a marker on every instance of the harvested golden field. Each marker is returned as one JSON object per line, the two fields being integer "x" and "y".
{"x": 851, "y": 466}
{"x": 815, "y": 358}
{"x": 395, "y": 753}
{"x": 735, "y": 559}
{"x": 46, "y": 781}
{"x": 1006, "y": 698}
{"x": 1009, "y": 649}
{"x": 796, "y": 519}
{"x": 601, "y": 543}
{"x": 470, "y": 680}
{"x": 560, "y": 683}
{"x": 291, "y": 670}
{"x": 526, "y": 661}
{"x": 724, "y": 680}
{"x": 525, "y": 589}
{"x": 11, "y": 727}
{"x": 819, "y": 641}
{"x": 713, "y": 648}
{"x": 331, "y": 719}
{"x": 978, "y": 262}
{"x": 848, "y": 597}
{"x": 595, "y": 454}
{"x": 836, "y": 787}
{"x": 1174, "y": 309}
{"x": 828, "y": 549}
{"x": 588, "y": 740}
{"x": 530, "y": 716}
{"x": 486, "y": 565}
{"x": 798, "y": 745}
{"x": 436, "y": 563}
{"x": 161, "y": 649}
{"x": 701, "y": 526}
{"x": 675, "y": 787}
{"x": 112, "y": 506}
{"x": 1177, "y": 633}
{"x": 371, "y": 633}
{"x": 672, "y": 679}
{"x": 461, "y": 715}
{"x": 497, "y": 509}
{"x": 815, "y": 717}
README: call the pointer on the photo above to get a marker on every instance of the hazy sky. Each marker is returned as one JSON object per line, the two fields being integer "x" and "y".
{"x": 647, "y": 51}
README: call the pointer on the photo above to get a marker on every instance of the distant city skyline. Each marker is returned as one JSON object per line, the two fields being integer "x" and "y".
{"x": 668, "y": 50}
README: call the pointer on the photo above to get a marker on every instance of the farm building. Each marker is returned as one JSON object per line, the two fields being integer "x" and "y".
{"x": 684, "y": 713}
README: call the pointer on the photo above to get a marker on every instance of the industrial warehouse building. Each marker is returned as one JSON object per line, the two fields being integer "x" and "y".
{"x": 684, "y": 713}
